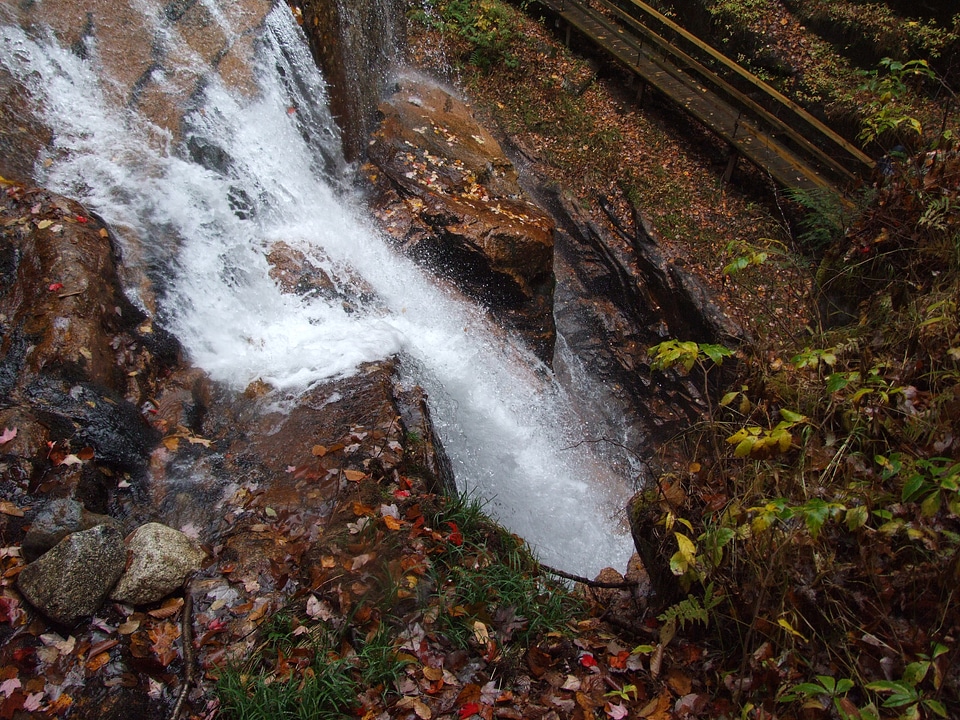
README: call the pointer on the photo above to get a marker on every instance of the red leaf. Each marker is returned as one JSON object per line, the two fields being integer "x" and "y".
{"x": 469, "y": 709}
{"x": 588, "y": 660}
{"x": 455, "y": 537}
{"x": 81, "y": 219}
{"x": 54, "y": 287}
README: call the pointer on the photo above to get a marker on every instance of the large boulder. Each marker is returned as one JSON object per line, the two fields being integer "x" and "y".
{"x": 72, "y": 580}
{"x": 449, "y": 196}
{"x": 161, "y": 559}
{"x": 59, "y": 518}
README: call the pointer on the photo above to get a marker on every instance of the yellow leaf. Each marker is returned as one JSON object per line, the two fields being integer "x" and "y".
{"x": 782, "y": 622}
{"x": 391, "y": 522}
{"x": 354, "y": 475}
{"x": 171, "y": 443}
{"x": 319, "y": 450}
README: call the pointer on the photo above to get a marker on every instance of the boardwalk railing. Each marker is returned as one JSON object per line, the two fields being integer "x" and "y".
{"x": 766, "y": 127}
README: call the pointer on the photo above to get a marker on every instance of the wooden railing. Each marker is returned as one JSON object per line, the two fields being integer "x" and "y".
{"x": 779, "y": 127}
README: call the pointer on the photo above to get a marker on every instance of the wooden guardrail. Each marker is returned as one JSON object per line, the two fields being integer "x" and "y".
{"x": 772, "y": 131}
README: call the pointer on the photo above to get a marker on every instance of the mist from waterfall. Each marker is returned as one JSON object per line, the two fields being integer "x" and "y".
{"x": 202, "y": 210}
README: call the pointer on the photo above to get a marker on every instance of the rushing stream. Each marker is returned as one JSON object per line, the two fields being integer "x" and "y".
{"x": 200, "y": 211}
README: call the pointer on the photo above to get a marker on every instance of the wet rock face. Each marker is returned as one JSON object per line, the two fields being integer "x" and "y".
{"x": 76, "y": 357}
{"x": 617, "y": 295}
{"x": 354, "y": 44}
{"x": 151, "y": 64}
{"x": 71, "y": 581}
{"x": 449, "y": 196}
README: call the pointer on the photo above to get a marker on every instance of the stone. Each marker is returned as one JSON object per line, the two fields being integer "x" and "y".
{"x": 72, "y": 579}
{"x": 161, "y": 559}
{"x": 56, "y": 520}
{"x": 446, "y": 192}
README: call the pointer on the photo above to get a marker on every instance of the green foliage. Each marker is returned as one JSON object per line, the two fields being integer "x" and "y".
{"x": 492, "y": 578}
{"x": 692, "y": 610}
{"x": 488, "y": 28}
{"x": 906, "y": 694}
{"x": 827, "y": 687}
{"x": 686, "y": 354}
{"x": 826, "y": 217}
{"x": 328, "y": 692}
{"x": 885, "y": 115}
{"x": 754, "y": 441}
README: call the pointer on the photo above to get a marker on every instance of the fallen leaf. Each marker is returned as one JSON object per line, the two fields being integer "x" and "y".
{"x": 98, "y": 661}
{"x": 588, "y": 660}
{"x": 319, "y": 609}
{"x": 480, "y": 632}
{"x": 53, "y": 640}
{"x": 71, "y": 459}
{"x": 54, "y": 287}
{"x": 354, "y": 475}
{"x": 8, "y": 686}
{"x": 468, "y": 710}
{"x": 679, "y": 681}
{"x": 391, "y": 522}
{"x": 617, "y": 712}
{"x": 658, "y": 708}
{"x": 33, "y": 701}
{"x": 411, "y": 703}
{"x": 8, "y": 508}
{"x": 7, "y": 435}
{"x": 319, "y": 450}
{"x": 129, "y": 627}
{"x": 360, "y": 560}
{"x": 169, "y": 608}
{"x": 162, "y": 639}
{"x": 433, "y": 674}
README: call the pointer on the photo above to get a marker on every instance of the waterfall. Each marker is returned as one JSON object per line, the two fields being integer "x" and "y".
{"x": 246, "y": 170}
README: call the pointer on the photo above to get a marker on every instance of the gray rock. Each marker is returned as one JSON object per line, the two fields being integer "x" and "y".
{"x": 72, "y": 579}
{"x": 161, "y": 558}
{"x": 59, "y": 518}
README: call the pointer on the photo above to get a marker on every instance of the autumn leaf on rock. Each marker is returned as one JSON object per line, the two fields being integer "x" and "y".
{"x": 7, "y": 435}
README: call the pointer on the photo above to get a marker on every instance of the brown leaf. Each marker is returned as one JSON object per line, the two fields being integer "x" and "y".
{"x": 391, "y": 522}
{"x": 658, "y": 708}
{"x": 354, "y": 475}
{"x": 679, "y": 681}
{"x": 8, "y": 508}
{"x": 433, "y": 674}
{"x": 319, "y": 451}
{"x": 163, "y": 637}
{"x": 538, "y": 661}
{"x": 169, "y": 608}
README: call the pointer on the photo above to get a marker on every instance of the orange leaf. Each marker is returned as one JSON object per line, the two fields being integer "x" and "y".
{"x": 98, "y": 661}
{"x": 391, "y": 522}
{"x": 162, "y": 638}
{"x": 354, "y": 475}
{"x": 319, "y": 451}
{"x": 168, "y": 609}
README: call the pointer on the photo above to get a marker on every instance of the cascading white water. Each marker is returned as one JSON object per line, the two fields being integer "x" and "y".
{"x": 509, "y": 429}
